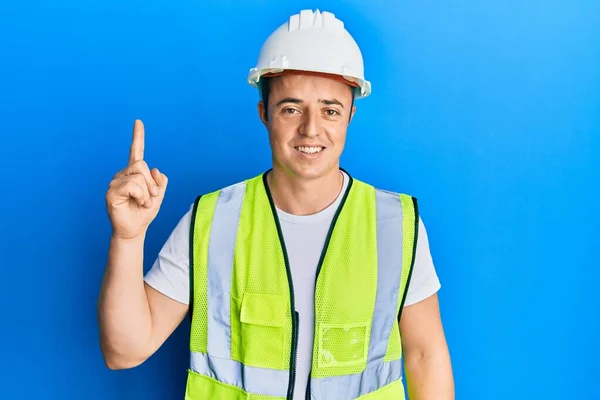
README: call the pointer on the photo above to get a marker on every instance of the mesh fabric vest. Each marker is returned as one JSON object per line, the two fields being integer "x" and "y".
{"x": 244, "y": 329}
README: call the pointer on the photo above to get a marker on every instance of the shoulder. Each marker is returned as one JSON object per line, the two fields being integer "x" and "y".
{"x": 388, "y": 196}
{"x": 212, "y": 195}
{"x": 383, "y": 192}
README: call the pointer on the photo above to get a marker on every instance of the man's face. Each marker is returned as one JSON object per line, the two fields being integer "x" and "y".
{"x": 307, "y": 121}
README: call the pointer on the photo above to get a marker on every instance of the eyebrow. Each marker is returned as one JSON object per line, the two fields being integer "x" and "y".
{"x": 298, "y": 101}
{"x": 332, "y": 102}
{"x": 289, "y": 100}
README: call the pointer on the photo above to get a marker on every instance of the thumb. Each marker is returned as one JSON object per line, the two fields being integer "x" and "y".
{"x": 161, "y": 180}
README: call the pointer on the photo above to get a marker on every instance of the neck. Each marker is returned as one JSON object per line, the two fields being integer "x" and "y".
{"x": 304, "y": 196}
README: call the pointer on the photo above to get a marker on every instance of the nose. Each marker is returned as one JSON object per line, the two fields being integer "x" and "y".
{"x": 310, "y": 126}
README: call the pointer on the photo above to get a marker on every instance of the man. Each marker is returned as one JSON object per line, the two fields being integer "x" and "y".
{"x": 302, "y": 282}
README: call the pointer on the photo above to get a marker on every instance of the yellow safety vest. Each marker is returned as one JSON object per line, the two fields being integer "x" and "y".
{"x": 244, "y": 328}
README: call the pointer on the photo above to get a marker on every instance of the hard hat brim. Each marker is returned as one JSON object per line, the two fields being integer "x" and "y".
{"x": 364, "y": 86}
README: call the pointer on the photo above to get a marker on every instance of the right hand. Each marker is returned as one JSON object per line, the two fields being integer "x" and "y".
{"x": 135, "y": 194}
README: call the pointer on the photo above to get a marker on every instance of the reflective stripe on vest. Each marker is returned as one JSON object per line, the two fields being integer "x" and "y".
{"x": 232, "y": 227}
{"x": 220, "y": 266}
{"x": 270, "y": 382}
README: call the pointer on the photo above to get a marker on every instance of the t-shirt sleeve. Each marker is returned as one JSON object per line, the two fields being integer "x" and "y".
{"x": 170, "y": 272}
{"x": 424, "y": 281}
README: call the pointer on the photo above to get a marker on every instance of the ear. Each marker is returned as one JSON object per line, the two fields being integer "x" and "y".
{"x": 262, "y": 112}
{"x": 352, "y": 114}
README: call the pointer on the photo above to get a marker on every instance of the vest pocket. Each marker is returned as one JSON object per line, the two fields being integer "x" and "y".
{"x": 263, "y": 309}
{"x": 200, "y": 387}
{"x": 343, "y": 345}
{"x": 394, "y": 390}
{"x": 263, "y": 319}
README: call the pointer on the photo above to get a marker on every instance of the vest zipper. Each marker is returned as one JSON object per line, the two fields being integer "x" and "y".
{"x": 293, "y": 356}
{"x": 295, "y": 316}
{"x": 295, "y": 319}
{"x": 308, "y": 388}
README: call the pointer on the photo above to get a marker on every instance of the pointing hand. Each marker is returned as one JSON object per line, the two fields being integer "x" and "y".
{"x": 135, "y": 194}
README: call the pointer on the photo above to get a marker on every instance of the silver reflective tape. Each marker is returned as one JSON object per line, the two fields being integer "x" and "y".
{"x": 220, "y": 268}
{"x": 270, "y": 382}
{"x": 347, "y": 387}
{"x": 389, "y": 271}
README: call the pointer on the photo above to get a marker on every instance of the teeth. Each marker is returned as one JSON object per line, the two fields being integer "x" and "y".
{"x": 310, "y": 150}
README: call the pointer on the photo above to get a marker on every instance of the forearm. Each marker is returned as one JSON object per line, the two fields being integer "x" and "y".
{"x": 124, "y": 314}
{"x": 429, "y": 375}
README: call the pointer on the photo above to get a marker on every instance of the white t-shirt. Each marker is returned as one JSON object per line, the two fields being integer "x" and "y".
{"x": 304, "y": 237}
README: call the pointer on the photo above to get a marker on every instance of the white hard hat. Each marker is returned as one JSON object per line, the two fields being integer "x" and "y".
{"x": 314, "y": 42}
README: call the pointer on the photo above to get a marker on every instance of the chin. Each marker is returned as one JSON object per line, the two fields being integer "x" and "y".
{"x": 306, "y": 169}
{"x": 310, "y": 172}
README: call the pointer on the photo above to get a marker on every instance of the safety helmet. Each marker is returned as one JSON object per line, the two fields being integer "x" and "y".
{"x": 312, "y": 42}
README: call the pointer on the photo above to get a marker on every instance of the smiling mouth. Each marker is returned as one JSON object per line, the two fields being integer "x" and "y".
{"x": 309, "y": 150}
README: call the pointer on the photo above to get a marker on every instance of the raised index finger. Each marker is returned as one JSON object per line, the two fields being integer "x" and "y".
{"x": 137, "y": 145}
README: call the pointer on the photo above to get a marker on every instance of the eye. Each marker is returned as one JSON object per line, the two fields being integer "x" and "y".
{"x": 289, "y": 110}
{"x": 331, "y": 112}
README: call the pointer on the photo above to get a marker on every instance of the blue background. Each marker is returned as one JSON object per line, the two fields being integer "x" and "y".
{"x": 487, "y": 111}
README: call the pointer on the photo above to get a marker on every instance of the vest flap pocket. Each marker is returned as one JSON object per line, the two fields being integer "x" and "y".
{"x": 263, "y": 309}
